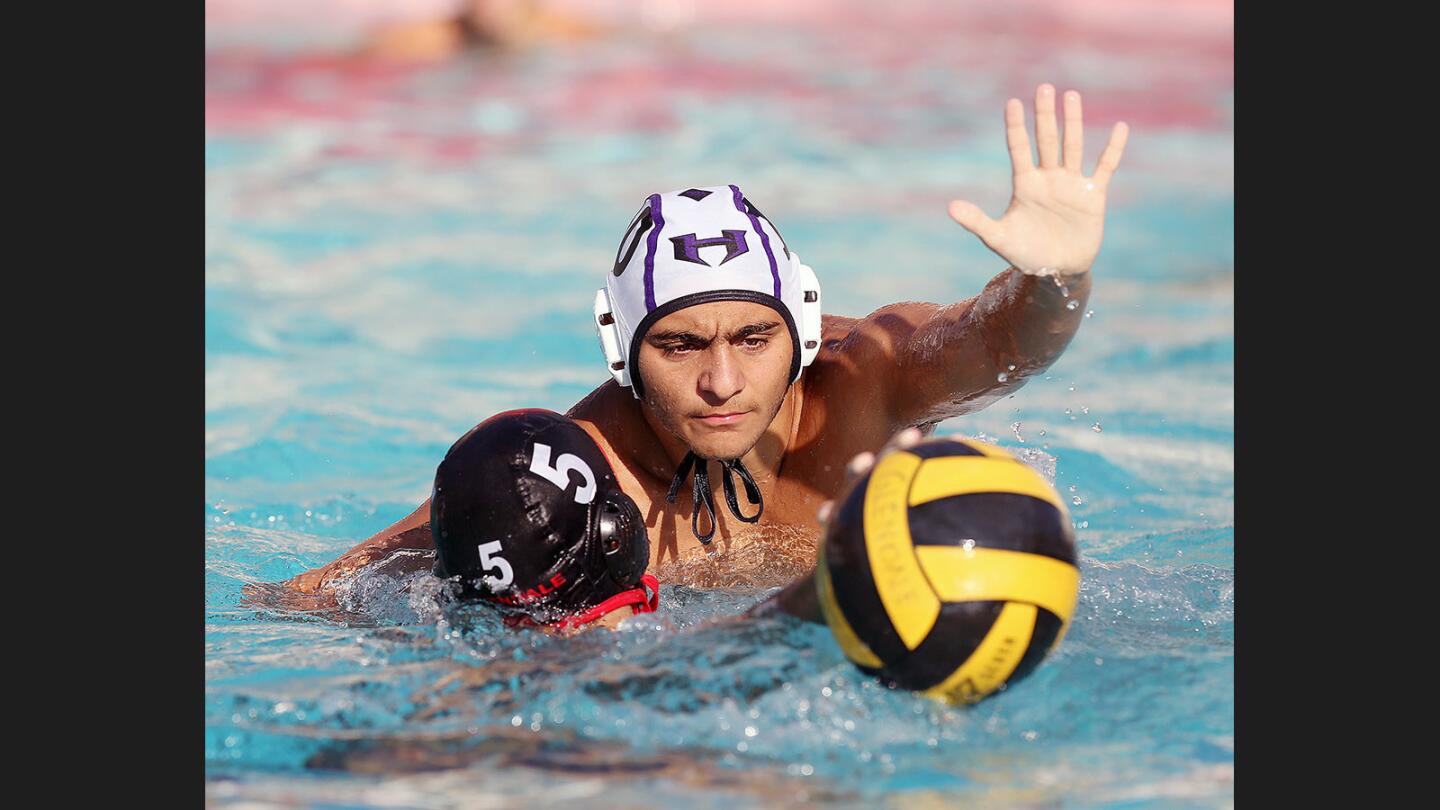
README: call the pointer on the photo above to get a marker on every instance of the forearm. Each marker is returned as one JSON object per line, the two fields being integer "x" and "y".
{"x": 412, "y": 531}
{"x": 967, "y": 355}
{"x": 380, "y": 546}
{"x": 797, "y": 599}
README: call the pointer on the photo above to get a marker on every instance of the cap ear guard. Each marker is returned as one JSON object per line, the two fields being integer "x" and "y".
{"x": 610, "y": 343}
{"x": 619, "y": 528}
{"x": 809, "y": 320}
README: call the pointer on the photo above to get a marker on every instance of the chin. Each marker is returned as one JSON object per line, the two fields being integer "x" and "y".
{"x": 723, "y": 445}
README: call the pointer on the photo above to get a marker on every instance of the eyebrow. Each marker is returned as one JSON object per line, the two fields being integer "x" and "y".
{"x": 690, "y": 337}
{"x": 753, "y": 329}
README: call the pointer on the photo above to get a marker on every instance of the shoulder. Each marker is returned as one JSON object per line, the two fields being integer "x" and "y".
{"x": 611, "y": 415}
{"x": 596, "y": 404}
{"x": 856, "y": 371}
{"x": 874, "y": 336}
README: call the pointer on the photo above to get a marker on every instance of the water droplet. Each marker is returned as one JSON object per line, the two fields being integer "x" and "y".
{"x": 1072, "y": 304}
{"x": 1042, "y": 431}
{"x": 1068, "y": 411}
{"x": 1076, "y": 500}
{"x": 1089, "y": 313}
{"x": 1015, "y": 428}
{"x": 1099, "y": 661}
{"x": 1072, "y": 487}
{"x": 1010, "y": 366}
{"x": 1072, "y": 388}
{"x": 1095, "y": 427}
{"x": 751, "y": 731}
{"x": 1084, "y": 409}
{"x": 1002, "y": 377}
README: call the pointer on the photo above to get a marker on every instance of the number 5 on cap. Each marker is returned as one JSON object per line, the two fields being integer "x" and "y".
{"x": 559, "y": 475}
{"x": 507, "y": 574}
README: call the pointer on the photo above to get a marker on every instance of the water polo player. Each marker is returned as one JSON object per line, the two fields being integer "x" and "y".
{"x": 711, "y": 330}
{"x": 525, "y": 512}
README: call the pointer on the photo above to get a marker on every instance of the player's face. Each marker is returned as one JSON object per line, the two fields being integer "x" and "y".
{"x": 716, "y": 374}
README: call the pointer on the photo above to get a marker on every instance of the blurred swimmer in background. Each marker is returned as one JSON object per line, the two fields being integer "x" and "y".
{"x": 712, "y": 333}
{"x": 499, "y": 24}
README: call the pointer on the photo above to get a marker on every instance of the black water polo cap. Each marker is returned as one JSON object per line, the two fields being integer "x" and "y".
{"x": 526, "y": 511}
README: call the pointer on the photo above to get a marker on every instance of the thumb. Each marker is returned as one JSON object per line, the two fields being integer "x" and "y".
{"x": 971, "y": 218}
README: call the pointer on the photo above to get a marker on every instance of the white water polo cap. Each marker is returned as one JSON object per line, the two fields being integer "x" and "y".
{"x": 692, "y": 247}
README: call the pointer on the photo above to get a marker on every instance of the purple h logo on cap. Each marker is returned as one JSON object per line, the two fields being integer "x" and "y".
{"x": 687, "y": 247}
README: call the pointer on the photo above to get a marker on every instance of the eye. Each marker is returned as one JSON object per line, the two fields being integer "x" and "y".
{"x": 756, "y": 342}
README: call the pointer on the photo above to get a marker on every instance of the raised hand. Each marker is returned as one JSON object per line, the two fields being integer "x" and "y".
{"x": 1056, "y": 216}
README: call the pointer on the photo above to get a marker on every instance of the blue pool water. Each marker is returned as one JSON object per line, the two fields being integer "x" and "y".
{"x": 393, "y": 254}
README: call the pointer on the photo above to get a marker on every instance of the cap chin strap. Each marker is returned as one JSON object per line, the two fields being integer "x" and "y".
{"x": 700, "y": 492}
{"x": 637, "y": 598}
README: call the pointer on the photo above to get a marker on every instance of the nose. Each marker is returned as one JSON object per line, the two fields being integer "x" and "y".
{"x": 722, "y": 377}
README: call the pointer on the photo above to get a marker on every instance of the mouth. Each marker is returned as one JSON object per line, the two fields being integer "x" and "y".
{"x": 722, "y": 419}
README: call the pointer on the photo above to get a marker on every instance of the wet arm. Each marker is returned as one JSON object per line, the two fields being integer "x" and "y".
{"x": 412, "y": 531}
{"x": 956, "y": 359}
{"x": 797, "y": 599}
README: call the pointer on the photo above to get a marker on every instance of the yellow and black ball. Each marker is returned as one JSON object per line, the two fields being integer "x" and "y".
{"x": 949, "y": 569}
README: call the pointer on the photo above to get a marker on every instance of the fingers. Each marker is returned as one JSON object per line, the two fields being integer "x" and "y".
{"x": 1110, "y": 158}
{"x": 862, "y": 463}
{"x": 858, "y": 466}
{"x": 1016, "y": 137}
{"x": 972, "y": 219}
{"x": 1047, "y": 134}
{"x": 1074, "y": 132}
{"x": 904, "y": 440}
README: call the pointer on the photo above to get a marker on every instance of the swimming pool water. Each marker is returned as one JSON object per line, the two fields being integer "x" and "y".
{"x": 395, "y": 253}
